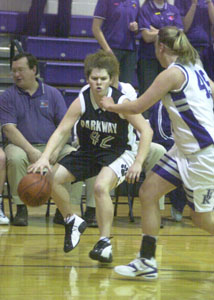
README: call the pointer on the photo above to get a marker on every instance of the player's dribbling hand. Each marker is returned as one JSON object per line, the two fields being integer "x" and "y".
{"x": 106, "y": 102}
{"x": 40, "y": 166}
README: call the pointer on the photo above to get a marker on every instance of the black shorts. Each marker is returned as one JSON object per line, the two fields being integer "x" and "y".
{"x": 84, "y": 165}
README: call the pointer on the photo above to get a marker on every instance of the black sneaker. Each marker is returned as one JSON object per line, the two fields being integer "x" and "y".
{"x": 102, "y": 251}
{"x": 58, "y": 218}
{"x": 73, "y": 231}
{"x": 21, "y": 217}
{"x": 90, "y": 217}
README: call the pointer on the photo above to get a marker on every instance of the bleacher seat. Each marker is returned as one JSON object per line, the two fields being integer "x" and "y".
{"x": 12, "y": 21}
{"x": 51, "y": 48}
{"x": 64, "y": 74}
{"x": 70, "y": 95}
{"x": 81, "y": 26}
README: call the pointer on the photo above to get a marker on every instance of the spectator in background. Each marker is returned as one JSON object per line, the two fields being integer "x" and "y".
{"x": 154, "y": 14}
{"x": 3, "y": 219}
{"x": 35, "y": 15}
{"x": 29, "y": 113}
{"x": 161, "y": 125}
{"x": 198, "y": 19}
{"x": 114, "y": 27}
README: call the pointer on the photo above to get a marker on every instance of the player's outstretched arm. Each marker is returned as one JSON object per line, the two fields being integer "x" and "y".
{"x": 58, "y": 138}
{"x": 168, "y": 80}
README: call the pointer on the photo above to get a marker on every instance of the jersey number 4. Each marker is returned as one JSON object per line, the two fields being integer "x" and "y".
{"x": 203, "y": 84}
{"x": 95, "y": 138}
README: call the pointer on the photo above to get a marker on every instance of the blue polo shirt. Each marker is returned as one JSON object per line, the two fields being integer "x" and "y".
{"x": 117, "y": 14}
{"x": 36, "y": 116}
{"x": 150, "y": 15}
{"x": 199, "y": 33}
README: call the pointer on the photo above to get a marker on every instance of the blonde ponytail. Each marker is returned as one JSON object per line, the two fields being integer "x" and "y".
{"x": 176, "y": 40}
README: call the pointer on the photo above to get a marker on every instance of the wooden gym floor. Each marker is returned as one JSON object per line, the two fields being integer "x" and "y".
{"x": 33, "y": 265}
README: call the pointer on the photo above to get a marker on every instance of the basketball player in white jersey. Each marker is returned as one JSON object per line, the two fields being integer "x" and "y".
{"x": 108, "y": 150}
{"x": 187, "y": 93}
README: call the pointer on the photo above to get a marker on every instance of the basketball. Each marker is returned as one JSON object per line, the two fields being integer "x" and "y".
{"x": 34, "y": 189}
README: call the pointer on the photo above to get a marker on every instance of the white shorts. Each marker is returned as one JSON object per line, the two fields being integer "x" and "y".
{"x": 194, "y": 171}
{"x": 121, "y": 165}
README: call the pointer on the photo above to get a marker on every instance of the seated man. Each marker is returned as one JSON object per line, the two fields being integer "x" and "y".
{"x": 29, "y": 113}
{"x": 107, "y": 150}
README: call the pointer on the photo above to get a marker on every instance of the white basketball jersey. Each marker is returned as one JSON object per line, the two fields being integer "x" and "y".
{"x": 191, "y": 110}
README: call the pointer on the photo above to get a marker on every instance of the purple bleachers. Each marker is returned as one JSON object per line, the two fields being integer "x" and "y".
{"x": 70, "y": 95}
{"x": 12, "y": 22}
{"x": 81, "y": 26}
{"x": 60, "y": 48}
{"x": 64, "y": 74}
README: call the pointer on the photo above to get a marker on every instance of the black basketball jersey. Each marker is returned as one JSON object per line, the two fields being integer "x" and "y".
{"x": 102, "y": 130}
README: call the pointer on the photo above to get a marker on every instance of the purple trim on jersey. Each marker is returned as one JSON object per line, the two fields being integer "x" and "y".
{"x": 191, "y": 205}
{"x": 166, "y": 175}
{"x": 177, "y": 96}
{"x": 200, "y": 133}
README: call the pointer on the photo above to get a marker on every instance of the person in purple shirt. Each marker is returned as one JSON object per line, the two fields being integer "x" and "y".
{"x": 198, "y": 19}
{"x": 114, "y": 27}
{"x": 30, "y": 111}
{"x": 154, "y": 14}
{"x": 35, "y": 15}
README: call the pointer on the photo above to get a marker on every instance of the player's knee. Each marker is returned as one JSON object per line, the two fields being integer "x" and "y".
{"x": 144, "y": 196}
{"x": 100, "y": 189}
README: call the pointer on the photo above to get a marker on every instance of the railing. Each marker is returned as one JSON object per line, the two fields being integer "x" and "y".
{"x": 15, "y": 45}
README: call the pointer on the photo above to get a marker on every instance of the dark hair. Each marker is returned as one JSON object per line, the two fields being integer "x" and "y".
{"x": 101, "y": 60}
{"x": 176, "y": 40}
{"x": 32, "y": 61}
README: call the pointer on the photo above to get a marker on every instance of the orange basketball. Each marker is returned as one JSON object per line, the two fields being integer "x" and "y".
{"x": 34, "y": 189}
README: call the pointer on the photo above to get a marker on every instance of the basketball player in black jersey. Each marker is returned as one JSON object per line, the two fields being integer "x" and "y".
{"x": 107, "y": 149}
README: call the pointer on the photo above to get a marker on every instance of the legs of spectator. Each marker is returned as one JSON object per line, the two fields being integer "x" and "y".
{"x": 3, "y": 219}
{"x": 34, "y": 17}
{"x": 64, "y": 18}
{"x": 178, "y": 200}
{"x": 17, "y": 163}
{"x": 105, "y": 182}
{"x": 147, "y": 70}
{"x": 127, "y": 60}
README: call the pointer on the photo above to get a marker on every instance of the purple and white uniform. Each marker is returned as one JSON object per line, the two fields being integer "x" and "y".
{"x": 191, "y": 160}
